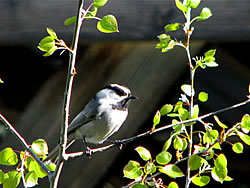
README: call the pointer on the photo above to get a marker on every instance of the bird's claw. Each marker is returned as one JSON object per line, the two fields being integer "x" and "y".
{"x": 119, "y": 144}
{"x": 88, "y": 152}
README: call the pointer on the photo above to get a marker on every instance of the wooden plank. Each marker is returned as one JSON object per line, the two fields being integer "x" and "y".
{"x": 25, "y": 21}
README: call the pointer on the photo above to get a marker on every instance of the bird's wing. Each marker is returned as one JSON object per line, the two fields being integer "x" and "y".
{"x": 88, "y": 114}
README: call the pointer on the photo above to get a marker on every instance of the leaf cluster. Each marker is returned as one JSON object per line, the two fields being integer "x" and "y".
{"x": 166, "y": 43}
{"x": 106, "y": 24}
{"x": 26, "y": 167}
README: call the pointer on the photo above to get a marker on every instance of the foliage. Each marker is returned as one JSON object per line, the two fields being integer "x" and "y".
{"x": 202, "y": 157}
{"x": 107, "y": 24}
{"x": 27, "y": 168}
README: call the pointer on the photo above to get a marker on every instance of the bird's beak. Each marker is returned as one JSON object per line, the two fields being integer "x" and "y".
{"x": 132, "y": 97}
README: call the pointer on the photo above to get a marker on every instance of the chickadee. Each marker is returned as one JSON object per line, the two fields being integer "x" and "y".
{"x": 100, "y": 118}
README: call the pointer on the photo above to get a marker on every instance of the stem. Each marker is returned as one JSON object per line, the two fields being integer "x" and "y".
{"x": 192, "y": 72}
{"x": 24, "y": 143}
{"x": 67, "y": 97}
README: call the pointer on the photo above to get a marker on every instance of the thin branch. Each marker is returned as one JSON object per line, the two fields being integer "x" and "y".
{"x": 22, "y": 141}
{"x": 160, "y": 129}
{"x": 67, "y": 96}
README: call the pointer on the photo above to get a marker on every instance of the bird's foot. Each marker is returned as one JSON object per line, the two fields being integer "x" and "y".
{"x": 88, "y": 152}
{"x": 118, "y": 143}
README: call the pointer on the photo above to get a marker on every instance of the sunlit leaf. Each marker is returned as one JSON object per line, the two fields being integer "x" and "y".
{"x": 99, "y": 3}
{"x": 143, "y": 152}
{"x": 195, "y": 162}
{"x": 245, "y": 122}
{"x": 172, "y": 171}
{"x": 244, "y": 137}
{"x": 180, "y": 6}
{"x": 8, "y": 157}
{"x": 172, "y": 27}
{"x": 39, "y": 147}
{"x": 166, "y": 109}
{"x": 163, "y": 158}
{"x": 70, "y": 21}
{"x": 108, "y": 24}
{"x": 173, "y": 185}
{"x": 193, "y": 3}
{"x": 203, "y": 96}
{"x": 187, "y": 89}
{"x": 205, "y": 14}
{"x": 52, "y": 33}
{"x": 132, "y": 170}
{"x": 222, "y": 125}
{"x": 31, "y": 179}
{"x": 238, "y": 147}
{"x": 157, "y": 118}
{"x": 201, "y": 180}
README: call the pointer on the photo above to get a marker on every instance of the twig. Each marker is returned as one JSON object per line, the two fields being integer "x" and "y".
{"x": 124, "y": 141}
{"x": 22, "y": 141}
{"x": 67, "y": 96}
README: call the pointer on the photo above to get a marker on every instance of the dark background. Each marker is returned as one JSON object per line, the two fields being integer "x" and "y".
{"x": 32, "y": 93}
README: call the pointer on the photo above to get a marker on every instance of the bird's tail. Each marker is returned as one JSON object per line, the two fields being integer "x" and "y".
{"x": 53, "y": 155}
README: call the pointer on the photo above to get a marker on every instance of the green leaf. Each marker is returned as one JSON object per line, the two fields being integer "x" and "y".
{"x": 184, "y": 145}
{"x": 183, "y": 113}
{"x": 203, "y": 96}
{"x": 238, "y": 147}
{"x": 195, "y": 111}
{"x": 172, "y": 171}
{"x": 166, "y": 109}
{"x": 51, "y": 51}
{"x": 210, "y": 53}
{"x": 173, "y": 185}
{"x": 157, "y": 118}
{"x": 205, "y": 14}
{"x": 108, "y": 24}
{"x": 193, "y": 3}
{"x": 172, "y": 27}
{"x": 222, "y": 125}
{"x": 39, "y": 147}
{"x": 132, "y": 170}
{"x": 149, "y": 168}
{"x": 99, "y": 3}
{"x": 163, "y": 158}
{"x": 1, "y": 177}
{"x": 31, "y": 179}
{"x": 186, "y": 88}
{"x": 139, "y": 185}
{"x": 245, "y": 122}
{"x": 180, "y": 6}
{"x": 219, "y": 172}
{"x": 211, "y": 64}
{"x": 32, "y": 165}
{"x": 8, "y": 157}
{"x": 210, "y": 136}
{"x": 52, "y": 33}
{"x": 245, "y": 138}
{"x": 167, "y": 144}
{"x": 92, "y": 13}
{"x": 12, "y": 179}
{"x": 195, "y": 162}
{"x": 143, "y": 152}
{"x": 178, "y": 143}
{"x": 51, "y": 166}
{"x": 70, "y": 21}
{"x": 201, "y": 180}
{"x": 46, "y": 43}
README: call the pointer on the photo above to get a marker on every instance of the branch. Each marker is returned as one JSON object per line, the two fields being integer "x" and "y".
{"x": 22, "y": 141}
{"x": 67, "y": 96}
{"x": 124, "y": 141}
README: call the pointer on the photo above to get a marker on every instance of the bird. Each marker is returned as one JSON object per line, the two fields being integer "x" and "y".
{"x": 100, "y": 118}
